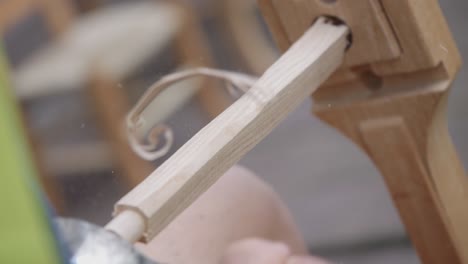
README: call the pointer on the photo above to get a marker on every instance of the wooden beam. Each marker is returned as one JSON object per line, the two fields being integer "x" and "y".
{"x": 214, "y": 149}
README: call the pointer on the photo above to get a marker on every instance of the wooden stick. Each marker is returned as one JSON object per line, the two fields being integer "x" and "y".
{"x": 129, "y": 226}
{"x": 204, "y": 158}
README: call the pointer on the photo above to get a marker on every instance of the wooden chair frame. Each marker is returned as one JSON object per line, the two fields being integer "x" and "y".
{"x": 390, "y": 98}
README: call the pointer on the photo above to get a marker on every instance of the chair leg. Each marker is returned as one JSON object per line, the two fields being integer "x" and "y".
{"x": 111, "y": 106}
{"x": 192, "y": 48}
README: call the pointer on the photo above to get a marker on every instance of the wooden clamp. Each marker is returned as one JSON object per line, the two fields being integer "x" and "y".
{"x": 390, "y": 98}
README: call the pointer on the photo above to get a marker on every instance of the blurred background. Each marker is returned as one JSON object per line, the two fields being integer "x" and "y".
{"x": 78, "y": 66}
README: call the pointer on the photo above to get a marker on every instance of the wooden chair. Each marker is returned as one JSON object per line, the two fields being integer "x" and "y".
{"x": 98, "y": 51}
{"x": 248, "y": 34}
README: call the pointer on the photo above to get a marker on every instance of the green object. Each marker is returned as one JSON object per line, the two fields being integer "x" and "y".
{"x": 25, "y": 232}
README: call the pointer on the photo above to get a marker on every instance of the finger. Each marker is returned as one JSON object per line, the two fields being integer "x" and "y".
{"x": 306, "y": 260}
{"x": 256, "y": 251}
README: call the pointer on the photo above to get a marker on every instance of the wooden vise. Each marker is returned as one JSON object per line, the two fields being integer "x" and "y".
{"x": 390, "y": 98}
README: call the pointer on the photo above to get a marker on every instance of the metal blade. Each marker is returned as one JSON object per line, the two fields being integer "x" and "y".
{"x": 91, "y": 244}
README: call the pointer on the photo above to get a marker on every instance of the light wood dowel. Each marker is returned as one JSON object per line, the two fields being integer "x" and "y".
{"x": 129, "y": 225}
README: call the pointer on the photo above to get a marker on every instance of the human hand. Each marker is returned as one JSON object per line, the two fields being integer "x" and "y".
{"x": 258, "y": 251}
